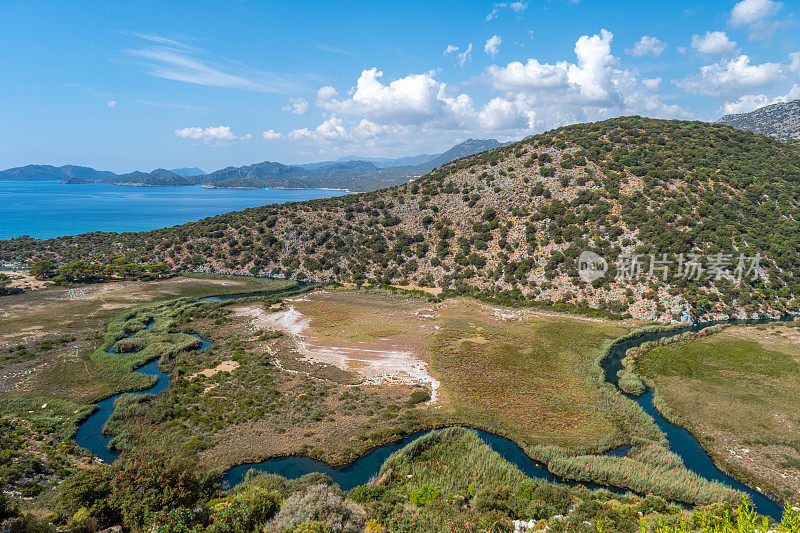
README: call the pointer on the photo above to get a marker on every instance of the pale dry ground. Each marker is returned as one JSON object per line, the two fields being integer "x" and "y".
{"x": 23, "y": 280}
{"x": 436, "y": 291}
{"x": 224, "y": 366}
{"x": 520, "y": 372}
{"x": 355, "y": 332}
{"x": 738, "y": 391}
{"x": 314, "y": 408}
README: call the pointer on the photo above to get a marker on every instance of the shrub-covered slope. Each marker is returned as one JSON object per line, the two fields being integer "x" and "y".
{"x": 511, "y": 222}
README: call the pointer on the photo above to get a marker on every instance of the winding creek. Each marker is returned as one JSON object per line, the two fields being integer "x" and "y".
{"x": 90, "y": 433}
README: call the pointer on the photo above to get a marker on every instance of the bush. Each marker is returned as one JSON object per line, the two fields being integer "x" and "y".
{"x": 6, "y": 507}
{"x": 418, "y": 396}
{"x": 178, "y": 520}
{"x": 134, "y": 489}
{"x": 425, "y": 495}
{"x": 320, "y": 503}
{"x": 247, "y": 510}
{"x": 28, "y": 523}
{"x": 310, "y": 527}
{"x": 366, "y": 493}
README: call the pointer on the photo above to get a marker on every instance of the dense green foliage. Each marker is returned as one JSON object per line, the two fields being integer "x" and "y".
{"x": 85, "y": 272}
{"x": 131, "y": 491}
{"x": 5, "y": 285}
{"x": 497, "y": 224}
{"x": 32, "y": 459}
{"x": 448, "y": 480}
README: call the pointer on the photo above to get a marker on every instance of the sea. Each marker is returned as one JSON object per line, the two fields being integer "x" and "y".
{"x": 45, "y": 209}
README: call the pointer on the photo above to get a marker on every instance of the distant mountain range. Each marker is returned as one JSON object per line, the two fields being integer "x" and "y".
{"x": 781, "y": 121}
{"x": 188, "y": 171}
{"x": 352, "y": 174}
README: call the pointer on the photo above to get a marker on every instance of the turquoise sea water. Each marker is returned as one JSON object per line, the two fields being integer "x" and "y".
{"x": 45, "y": 209}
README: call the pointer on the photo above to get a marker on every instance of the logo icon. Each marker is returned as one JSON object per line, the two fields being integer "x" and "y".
{"x": 591, "y": 266}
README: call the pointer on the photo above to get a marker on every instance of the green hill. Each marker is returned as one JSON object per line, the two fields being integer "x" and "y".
{"x": 511, "y": 223}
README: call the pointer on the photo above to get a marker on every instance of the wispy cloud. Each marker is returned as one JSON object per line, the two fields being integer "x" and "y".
{"x": 171, "y": 105}
{"x": 173, "y": 60}
{"x": 335, "y": 50}
{"x": 153, "y": 38}
{"x": 516, "y": 7}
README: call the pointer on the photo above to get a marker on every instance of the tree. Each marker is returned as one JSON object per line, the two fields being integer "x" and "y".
{"x": 134, "y": 488}
{"x": 5, "y": 285}
{"x": 43, "y": 269}
{"x": 6, "y": 506}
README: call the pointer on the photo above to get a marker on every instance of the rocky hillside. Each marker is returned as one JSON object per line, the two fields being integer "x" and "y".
{"x": 781, "y": 121}
{"x": 468, "y": 147}
{"x": 511, "y": 224}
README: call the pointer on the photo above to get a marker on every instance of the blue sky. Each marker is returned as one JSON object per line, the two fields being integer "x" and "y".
{"x": 139, "y": 85}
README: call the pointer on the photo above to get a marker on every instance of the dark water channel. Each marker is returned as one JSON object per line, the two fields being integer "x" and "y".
{"x": 681, "y": 442}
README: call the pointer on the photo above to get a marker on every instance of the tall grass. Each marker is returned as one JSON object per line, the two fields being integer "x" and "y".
{"x": 630, "y": 382}
{"x": 629, "y": 362}
{"x": 649, "y": 466}
{"x": 659, "y": 475}
{"x": 476, "y": 461}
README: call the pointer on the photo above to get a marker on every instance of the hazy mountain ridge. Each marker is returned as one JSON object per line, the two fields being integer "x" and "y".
{"x": 380, "y": 162}
{"x": 510, "y": 224}
{"x": 188, "y": 171}
{"x": 468, "y": 147}
{"x": 50, "y": 172}
{"x": 781, "y": 120}
{"x": 355, "y": 175}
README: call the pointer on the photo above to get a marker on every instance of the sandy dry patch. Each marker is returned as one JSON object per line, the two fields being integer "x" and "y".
{"x": 23, "y": 280}
{"x": 436, "y": 291}
{"x": 377, "y": 361}
{"x": 225, "y": 366}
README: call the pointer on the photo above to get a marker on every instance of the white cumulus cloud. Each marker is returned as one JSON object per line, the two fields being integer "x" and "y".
{"x": 651, "y": 84}
{"x": 731, "y": 76}
{"x": 418, "y": 110}
{"x": 713, "y": 43}
{"x": 298, "y": 106}
{"x": 271, "y": 135}
{"x": 492, "y": 45}
{"x": 750, "y": 102}
{"x": 587, "y": 80}
{"x": 112, "y": 104}
{"x": 411, "y": 107}
{"x": 647, "y": 46}
{"x": 210, "y": 135}
{"x": 751, "y": 11}
{"x": 412, "y": 99}
{"x": 591, "y": 88}
{"x": 502, "y": 114}
{"x": 758, "y": 17}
